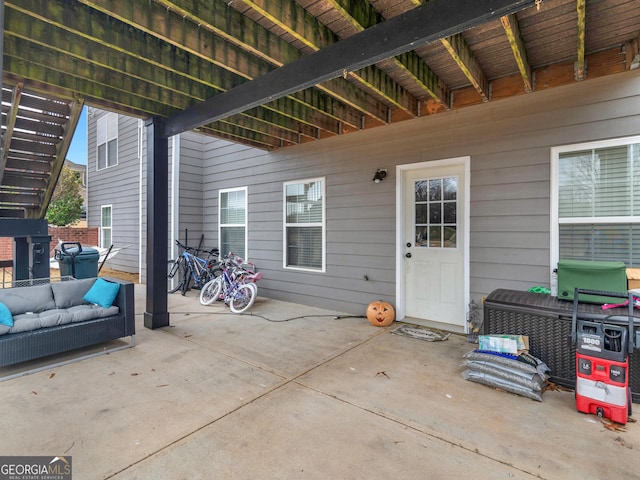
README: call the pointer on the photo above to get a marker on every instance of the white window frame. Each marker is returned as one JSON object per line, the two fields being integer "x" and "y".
{"x": 103, "y": 228}
{"x": 555, "y": 179}
{"x": 244, "y": 255}
{"x": 106, "y": 131}
{"x": 323, "y": 224}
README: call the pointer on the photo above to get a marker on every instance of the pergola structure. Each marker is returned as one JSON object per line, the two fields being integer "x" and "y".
{"x": 276, "y": 73}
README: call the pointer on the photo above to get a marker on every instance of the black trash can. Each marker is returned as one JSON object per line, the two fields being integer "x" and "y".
{"x": 76, "y": 261}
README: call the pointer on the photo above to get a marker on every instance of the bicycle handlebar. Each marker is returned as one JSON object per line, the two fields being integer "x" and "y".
{"x": 211, "y": 251}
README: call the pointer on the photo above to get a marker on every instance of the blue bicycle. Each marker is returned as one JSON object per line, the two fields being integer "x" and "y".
{"x": 191, "y": 270}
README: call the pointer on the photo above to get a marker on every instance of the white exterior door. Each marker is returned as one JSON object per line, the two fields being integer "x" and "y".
{"x": 434, "y": 243}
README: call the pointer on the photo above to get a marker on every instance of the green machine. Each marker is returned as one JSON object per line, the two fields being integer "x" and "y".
{"x": 591, "y": 275}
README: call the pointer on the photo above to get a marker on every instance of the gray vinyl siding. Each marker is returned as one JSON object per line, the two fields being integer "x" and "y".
{"x": 191, "y": 189}
{"x": 117, "y": 186}
{"x": 509, "y": 143}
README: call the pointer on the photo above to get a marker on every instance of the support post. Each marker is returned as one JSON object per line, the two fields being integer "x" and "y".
{"x": 156, "y": 314}
{"x": 20, "y": 258}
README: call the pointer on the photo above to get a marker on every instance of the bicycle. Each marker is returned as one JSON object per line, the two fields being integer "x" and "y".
{"x": 236, "y": 285}
{"x": 189, "y": 267}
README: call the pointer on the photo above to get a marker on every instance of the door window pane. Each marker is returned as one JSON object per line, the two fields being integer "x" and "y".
{"x": 435, "y": 212}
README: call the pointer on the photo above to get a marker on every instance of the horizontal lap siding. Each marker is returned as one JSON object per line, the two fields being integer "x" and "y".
{"x": 117, "y": 186}
{"x": 509, "y": 143}
{"x": 191, "y": 189}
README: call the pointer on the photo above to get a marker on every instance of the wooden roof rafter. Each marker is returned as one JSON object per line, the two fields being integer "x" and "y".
{"x": 288, "y": 15}
{"x": 512, "y": 30}
{"x": 361, "y": 16}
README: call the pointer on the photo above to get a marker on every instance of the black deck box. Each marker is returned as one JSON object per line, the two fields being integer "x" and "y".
{"x": 547, "y": 322}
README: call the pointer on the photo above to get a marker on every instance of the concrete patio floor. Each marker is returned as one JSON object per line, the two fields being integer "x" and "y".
{"x": 217, "y": 395}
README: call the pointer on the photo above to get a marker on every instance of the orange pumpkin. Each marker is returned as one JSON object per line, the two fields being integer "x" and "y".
{"x": 380, "y": 313}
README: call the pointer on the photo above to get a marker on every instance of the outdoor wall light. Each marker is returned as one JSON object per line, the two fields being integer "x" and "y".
{"x": 380, "y": 174}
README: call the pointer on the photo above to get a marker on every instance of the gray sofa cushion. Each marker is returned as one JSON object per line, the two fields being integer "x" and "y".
{"x": 32, "y": 321}
{"x": 69, "y": 293}
{"x": 34, "y": 299}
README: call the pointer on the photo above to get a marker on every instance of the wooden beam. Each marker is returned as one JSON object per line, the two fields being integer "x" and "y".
{"x": 433, "y": 21}
{"x": 236, "y": 28}
{"x": 166, "y": 25}
{"x": 149, "y": 59}
{"x": 581, "y": 66}
{"x": 38, "y": 55}
{"x": 304, "y": 27}
{"x": 465, "y": 59}
{"x": 12, "y": 114}
{"x": 512, "y": 30}
{"x": 362, "y": 15}
{"x": 461, "y": 53}
{"x": 632, "y": 53}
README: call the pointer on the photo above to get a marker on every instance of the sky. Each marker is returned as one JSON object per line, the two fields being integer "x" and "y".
{"x": 78, "y": 149}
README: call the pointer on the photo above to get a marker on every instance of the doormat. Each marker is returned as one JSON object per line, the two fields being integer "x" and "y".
{"x": 421, "y": 333}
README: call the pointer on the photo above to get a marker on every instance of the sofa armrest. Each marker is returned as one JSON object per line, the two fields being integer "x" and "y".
{"x": 125, "y": 302}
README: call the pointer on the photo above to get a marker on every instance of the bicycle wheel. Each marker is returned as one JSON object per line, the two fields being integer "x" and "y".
{"x": 243, "y": 299}
{"x": 185, "y": 285}
{"x": 175, "y": 275}
{"x": 211, "y": 291}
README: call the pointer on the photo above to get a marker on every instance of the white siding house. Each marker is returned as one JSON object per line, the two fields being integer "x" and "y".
{"x": 469, "y": 203}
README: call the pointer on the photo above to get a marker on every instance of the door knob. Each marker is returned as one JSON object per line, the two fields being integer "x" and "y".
{"x": 408, "y": 255}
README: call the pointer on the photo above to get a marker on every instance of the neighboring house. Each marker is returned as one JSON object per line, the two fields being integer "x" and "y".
{"x": 475, "y": 199}
{"x": 81, "y": 174}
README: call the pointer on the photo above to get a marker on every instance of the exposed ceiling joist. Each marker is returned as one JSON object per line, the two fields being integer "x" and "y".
{"x": 581, "y": 66}
{"x": 461, "y": 53}
{"x": 271, "y": 73}
{"x": 512, "y": 30}
{"x": 433, "y": 21}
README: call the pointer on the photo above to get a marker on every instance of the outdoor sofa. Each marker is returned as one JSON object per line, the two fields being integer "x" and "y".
{"x": 61, "y": 316}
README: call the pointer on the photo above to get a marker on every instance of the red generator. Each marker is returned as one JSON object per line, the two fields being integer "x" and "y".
{"x": 603, "y": 346}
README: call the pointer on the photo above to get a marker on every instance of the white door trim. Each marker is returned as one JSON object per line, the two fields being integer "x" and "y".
{"x": 400, "y": 247}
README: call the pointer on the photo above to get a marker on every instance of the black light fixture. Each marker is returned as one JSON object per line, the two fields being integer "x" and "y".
{"x": 380, "y": 174}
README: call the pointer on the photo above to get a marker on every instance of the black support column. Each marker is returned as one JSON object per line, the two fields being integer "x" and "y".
{"x": 156, "y": 314}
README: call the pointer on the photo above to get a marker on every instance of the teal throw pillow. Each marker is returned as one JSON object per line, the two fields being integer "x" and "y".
{"x": 102, "y": 293}
{"x": 5, "y": 316}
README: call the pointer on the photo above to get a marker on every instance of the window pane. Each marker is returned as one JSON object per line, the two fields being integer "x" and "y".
{"x": 450, "y": 212}
{"x": 435, "y": 236}
{"x": 421, "y": 237}
{"x": 102, "y": 156}
{"x": 106, "y": 216}
{"x": 304, "y": 203}
{"x": 435, "y": 213}
{"x": 599, "y": 183}
{"x": 601, "y": 242}
{"x": 232, "y": 240}
{"x": 450, "y": 238}
{"x": 106, "y": 237}
{"x": 232, "y": 207}
{"x": 422, "y": 191}
{"x": 304, "y": 247}
{"x": 421, "y": 213}
{"x": 112, "y": 151}
{"x": 435, "y": 189}
{"x": 450, "y": 188}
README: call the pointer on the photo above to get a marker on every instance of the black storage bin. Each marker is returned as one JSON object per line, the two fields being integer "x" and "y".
{"x": 547, "y": 322}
